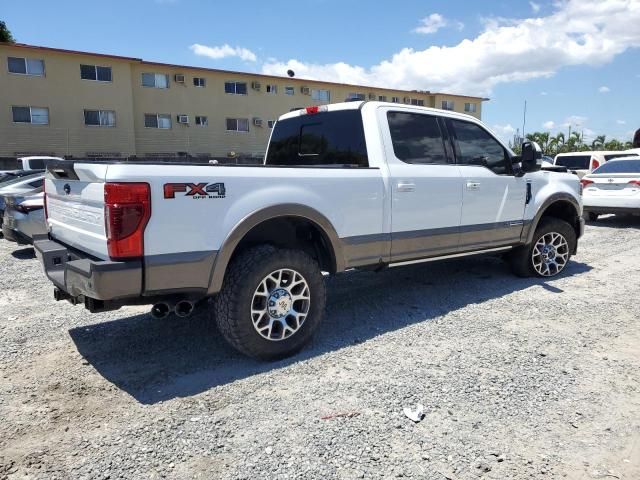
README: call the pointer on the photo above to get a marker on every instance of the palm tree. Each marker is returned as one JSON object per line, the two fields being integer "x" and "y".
{"x": 598, "y": 142}
{"x": 557, "y": 143}
{"x": 614, "y": 145}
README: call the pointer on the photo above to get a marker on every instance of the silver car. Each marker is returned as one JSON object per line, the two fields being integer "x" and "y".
{"x": 24, "y": 218}
{"x": 23, "y": 186}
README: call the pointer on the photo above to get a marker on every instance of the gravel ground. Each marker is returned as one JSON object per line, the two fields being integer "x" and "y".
{"x": 519, "y": 379}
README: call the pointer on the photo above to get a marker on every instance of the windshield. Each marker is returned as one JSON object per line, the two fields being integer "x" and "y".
{"x": 574, "y": 162}
{"x": 25, "y": 179}
{"x": 619, "y": 166}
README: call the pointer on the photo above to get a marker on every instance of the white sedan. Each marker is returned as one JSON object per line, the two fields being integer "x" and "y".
{"x": 612, "y": 188}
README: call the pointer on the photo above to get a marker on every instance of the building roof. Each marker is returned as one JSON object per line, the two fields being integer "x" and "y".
{"x": 231, "y": 72}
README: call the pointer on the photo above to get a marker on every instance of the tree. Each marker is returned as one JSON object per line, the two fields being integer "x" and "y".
{"x": 598, "y": 142}
{"x": 5, "y": 34}
{"x": 557, "y": 143}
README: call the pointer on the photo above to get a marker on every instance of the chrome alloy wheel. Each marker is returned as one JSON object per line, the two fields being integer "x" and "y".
{"x": 550, "y": 254}
{"x": 280, "y": 304}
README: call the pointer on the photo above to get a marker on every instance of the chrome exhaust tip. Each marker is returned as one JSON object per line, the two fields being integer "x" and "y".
{"x": 184, "y": 308}
{"x": 160, "y": 310}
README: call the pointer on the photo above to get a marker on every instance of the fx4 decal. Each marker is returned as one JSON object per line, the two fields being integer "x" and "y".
{"x": 195, "y": 190}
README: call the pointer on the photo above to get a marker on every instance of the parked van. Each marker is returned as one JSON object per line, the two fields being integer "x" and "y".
{"x": 582, "y": 163}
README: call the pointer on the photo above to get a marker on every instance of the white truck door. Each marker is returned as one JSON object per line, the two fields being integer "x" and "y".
{"x": 493, "y": 197}
{"x": 426, "y": 186}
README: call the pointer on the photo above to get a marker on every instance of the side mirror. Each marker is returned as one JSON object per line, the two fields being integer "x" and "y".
{"x": 531, "y": 157}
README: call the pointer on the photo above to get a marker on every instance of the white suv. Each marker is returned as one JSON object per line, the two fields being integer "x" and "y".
{"x": 582, "y": 163}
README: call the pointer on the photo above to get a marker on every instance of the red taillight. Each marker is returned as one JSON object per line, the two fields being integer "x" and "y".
{"x": 635, "y": 182}
{"x": 585, "y": 182}
{"x": 594, "y": 164}
{"x": 316, "y": 109}
{"x": 127, "y": 209}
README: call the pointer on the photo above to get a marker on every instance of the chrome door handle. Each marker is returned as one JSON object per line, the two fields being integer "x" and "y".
{"x": 473, "y": 185}
{"x": 406, "y": 187}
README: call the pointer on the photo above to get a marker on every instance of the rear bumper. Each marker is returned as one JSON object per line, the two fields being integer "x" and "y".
{"x": 614, "y": 210}
{"x": 78, "y": 276}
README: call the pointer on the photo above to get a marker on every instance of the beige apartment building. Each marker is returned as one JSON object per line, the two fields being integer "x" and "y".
{"x": 81, "y": 104}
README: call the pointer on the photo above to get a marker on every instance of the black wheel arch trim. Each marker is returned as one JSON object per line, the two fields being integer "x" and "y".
{"x": 244, "y": 226}
{"x": 555, "y": 198}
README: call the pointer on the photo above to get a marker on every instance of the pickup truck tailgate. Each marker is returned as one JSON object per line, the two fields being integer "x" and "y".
{"x": 75, "y": 206}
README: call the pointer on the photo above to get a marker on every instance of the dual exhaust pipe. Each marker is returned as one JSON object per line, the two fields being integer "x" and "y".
{"x": 182, "y": 309}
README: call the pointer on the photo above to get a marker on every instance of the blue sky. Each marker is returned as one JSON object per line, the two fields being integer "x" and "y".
{"x": 576, "y": 62}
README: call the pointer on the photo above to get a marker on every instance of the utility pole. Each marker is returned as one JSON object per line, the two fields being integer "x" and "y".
{"x": 524, "y": 120}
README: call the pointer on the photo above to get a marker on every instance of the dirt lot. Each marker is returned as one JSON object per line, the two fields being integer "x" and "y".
{"x": 519, "y": 379}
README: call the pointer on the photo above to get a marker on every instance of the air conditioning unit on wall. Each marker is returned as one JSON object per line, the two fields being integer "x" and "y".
{"x": 179, "y": 78}
{"x": 372, "y": 96}
{"x": 305, "y": 90}
{"x": 184, "y": 119}
{"x": 257, "y": 121}
{"x": 255, "y": 85}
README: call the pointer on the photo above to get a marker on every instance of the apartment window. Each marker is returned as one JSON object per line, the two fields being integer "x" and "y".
{"x": 321, "y": 95}
{"x": 419, "y": 103}
{"x": 202, "y": 120}
{"x": 235, "y": 88}
{"x": 470, "y": 107}
{"x": 356, "y": 96}
{"x": 237, "y": 124}
{"x": 382, "y": 98}
{"x": 155, "y": 80}
{"x": 34, "y": 115}
{"x": 289, "y": 90}
{"x": 26, "y": 66}
{"x": 199, "y": 82}
{"x": 272, "y": 89}
{"x": 157, "y": 120}
{"x": 95, "y": 72}
{"x": 100, "y": 118}
{"x": 395, "y": 99}
{"x": 271, "y": 123}
{"x": 447, "y": 105}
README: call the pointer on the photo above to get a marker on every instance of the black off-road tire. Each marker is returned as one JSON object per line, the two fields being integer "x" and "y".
{"x": 232, "y": 305}
{"x": 520, "y": 258}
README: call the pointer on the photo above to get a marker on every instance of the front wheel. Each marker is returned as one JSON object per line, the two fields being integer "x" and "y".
{"x": 549, "y": 252}
{"x": 272, "y": 301}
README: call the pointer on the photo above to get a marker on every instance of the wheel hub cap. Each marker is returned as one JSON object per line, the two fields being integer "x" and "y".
{"x": 280, "y": 304}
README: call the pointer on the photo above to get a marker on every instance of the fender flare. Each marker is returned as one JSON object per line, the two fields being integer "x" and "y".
{"x": 556, "y": 197}
{"x": 257, "y": 217}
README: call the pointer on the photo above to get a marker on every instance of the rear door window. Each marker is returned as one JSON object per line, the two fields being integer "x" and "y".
{"x": 322, "y": 139}
{"x": 574, "y": 162}
{"x": 416, "y": 138}
{"x": 37, "y": 164}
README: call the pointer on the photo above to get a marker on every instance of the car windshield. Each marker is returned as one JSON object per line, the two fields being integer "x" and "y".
{"x": 619, "y": 166}
{"x": 25, "y": 179}
{"x": 575, "y": 162}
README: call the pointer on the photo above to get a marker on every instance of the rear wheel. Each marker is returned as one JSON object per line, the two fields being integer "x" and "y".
{"x": 548, "y": 253}
{"x": 271, "y": 302}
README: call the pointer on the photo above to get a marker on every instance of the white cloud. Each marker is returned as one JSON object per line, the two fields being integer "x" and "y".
{"x": 505, "y": 132}
{"x": 435, "y": 22}
{"x": 621, "y": 122}
{"x": 549, "y": 125}
{"x": 535, "y": 7}
{"x": 575, "y": 121}
{"x": 604, "y": 89}
{"x": 578, "y": 32}
{"x": 543, "y": 94}
{"x": 224, "y": 51}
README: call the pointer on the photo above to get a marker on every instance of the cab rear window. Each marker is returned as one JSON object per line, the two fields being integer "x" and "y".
{"x": 574, "y": 162}
{"x": 323, "y": 139}
{"x": 620, "y": 166}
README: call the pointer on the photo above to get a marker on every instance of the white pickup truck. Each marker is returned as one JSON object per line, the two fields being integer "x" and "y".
{"x": 351, "y": 185}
